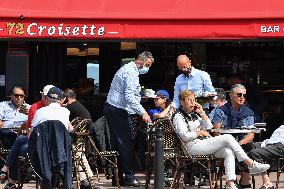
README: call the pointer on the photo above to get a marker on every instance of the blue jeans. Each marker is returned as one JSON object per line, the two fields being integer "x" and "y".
{"x": 19, "y": 148}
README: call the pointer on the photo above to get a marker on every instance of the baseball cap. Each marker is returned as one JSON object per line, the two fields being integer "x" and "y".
{"x": 55, "y": 93}
{"x": 163, "y": 94}
{"x": 46, "y": 89}
{"x": 220, "y": 93}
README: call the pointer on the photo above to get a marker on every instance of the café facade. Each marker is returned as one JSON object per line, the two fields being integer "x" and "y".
{"x": 35, "y": 37}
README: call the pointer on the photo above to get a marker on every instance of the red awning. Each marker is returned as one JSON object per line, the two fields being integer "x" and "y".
{"x": 155, "y": 19}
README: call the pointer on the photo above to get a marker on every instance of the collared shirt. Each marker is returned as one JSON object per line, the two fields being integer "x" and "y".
{"x": 51, "y": 112}
{"x": 198, "y": 81}
{"x": 125, "y": 90}
{"x": 33, "y": 110}
{"x": 276, "y": 137}
{"x": 10, "y": 116}
{"x": 187, "y": 131}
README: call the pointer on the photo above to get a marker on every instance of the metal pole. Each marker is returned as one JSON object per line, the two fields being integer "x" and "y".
{"x": 159, "y": 159}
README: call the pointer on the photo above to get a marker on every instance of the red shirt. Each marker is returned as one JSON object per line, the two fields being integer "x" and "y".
{"x": 32, "y": 112}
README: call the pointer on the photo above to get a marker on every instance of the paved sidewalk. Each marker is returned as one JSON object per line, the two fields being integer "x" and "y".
{"x": 106, "y": 184}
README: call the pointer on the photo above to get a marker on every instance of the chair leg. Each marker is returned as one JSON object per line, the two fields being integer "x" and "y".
{"x": 116, "y": 172}
{"x": 278, "y": 177}
{"x": 148, "y": 178}
{"x": 253, "y": 182}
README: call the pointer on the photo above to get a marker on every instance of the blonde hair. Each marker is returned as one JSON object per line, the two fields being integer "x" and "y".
{"x": 184, "y": 94}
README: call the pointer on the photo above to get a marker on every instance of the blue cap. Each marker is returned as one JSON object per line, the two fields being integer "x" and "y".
{"x": 55, "y": 93}
{"x": 163, "y": 94}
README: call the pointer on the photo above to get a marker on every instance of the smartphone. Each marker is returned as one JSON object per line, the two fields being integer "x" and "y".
{"x": 195, "y": 108}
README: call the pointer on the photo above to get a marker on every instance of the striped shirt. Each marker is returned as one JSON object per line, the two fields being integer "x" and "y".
{"x": 125, "y": 90}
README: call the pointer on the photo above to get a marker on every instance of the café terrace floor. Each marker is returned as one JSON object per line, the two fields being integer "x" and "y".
{"x": 106, "y": 184}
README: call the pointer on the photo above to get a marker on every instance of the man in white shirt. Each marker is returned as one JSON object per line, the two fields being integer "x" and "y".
{"x": 53, "y": 111}
{"x": 269, "y": 151}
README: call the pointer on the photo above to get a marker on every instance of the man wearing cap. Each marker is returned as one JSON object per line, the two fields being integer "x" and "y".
{"x": 53, "y": 110}
{"x": 218, "y": 101}
{"x": 163, "y": 108}
{"x": 20, "y": 145}
{"x": 123, "y": 100}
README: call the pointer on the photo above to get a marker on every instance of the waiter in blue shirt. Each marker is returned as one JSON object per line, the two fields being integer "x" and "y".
{"x": 123, "y": 100}
{"x": 192, "y": 79}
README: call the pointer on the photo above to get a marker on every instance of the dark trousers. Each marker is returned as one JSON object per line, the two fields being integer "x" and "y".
{"x": 18, "y": 148}
{"x": 7, "y": 137}
{"x": 267, "y": 154}
{"x": 120, "y": 129}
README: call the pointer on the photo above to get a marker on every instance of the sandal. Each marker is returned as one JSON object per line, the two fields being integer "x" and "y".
{"x": 3, "y": 176}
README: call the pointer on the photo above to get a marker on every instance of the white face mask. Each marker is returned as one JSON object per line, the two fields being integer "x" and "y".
{"x": 143, "y": 70}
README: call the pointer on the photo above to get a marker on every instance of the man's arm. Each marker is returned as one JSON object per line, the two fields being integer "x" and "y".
{"x": 248, "y": 138}
{"x": 176, "y": 102}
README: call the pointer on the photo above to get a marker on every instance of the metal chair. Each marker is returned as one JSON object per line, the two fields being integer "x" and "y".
{"x": 81, "y": 128}
{"x": 171, "y": 150}
{"x": 198, "y": 165}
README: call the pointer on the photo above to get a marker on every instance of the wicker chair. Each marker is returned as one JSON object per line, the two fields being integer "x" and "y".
{"x": 79, "y": 134}
{"x": 171, "y": 150}
{"x": 82, "y": 137}
{"x": 198, "y": 165}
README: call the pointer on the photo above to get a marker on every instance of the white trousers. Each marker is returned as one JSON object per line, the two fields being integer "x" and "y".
{"x": 85, "y": 162}
{"x": 222, "y": 146}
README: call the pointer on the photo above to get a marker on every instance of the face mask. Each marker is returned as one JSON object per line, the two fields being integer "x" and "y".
{"x": 143, "y": 70}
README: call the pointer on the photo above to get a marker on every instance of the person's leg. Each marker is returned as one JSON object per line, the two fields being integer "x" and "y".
{"x": 245, "y": 176}
{"x": 267, "y": 154}
{"x": 229, "y": 164}
{"x": 15, "y": 150}
{"x": 213, "y": 144}
{"x": 121, "y": 137}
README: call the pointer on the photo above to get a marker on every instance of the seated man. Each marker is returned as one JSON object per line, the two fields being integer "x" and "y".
{"x": 235, "y": 114}
{"x": 19, "y": 145}
{"x": 191, "y": 122}
{"x": 268, "y": 151}
{"x": 162, "y": 106}
{"x": 217, "y": 101}
{"x": 78, "y": 110}
{"x": 13, "y": 114}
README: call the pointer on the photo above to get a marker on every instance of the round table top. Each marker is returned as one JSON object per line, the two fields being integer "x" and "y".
{"x": 237, "y": 131}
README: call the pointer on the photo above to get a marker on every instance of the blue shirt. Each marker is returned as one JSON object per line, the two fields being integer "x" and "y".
{"x": 198, "y": 81}
{"x": 154, "y": 111}
{"x": 10, "y": 116}
{"x": 223, "y": 118}
{"x": 125, "y": 90}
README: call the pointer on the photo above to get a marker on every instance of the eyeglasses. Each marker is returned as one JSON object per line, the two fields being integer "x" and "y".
{"x": 19, "y": 95}
{"x": 241, "y": 95}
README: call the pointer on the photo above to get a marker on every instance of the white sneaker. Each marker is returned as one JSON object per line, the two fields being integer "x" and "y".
{"x": 258, "y": 168}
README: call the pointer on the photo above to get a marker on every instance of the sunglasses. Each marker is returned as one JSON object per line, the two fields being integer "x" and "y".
{"x": 241, "y": 95}
{"x": 19, "y": 95}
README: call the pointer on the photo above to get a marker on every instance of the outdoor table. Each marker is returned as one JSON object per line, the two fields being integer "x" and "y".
{"x": 238, "y": 131}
